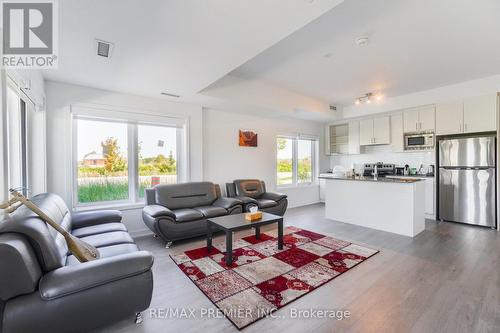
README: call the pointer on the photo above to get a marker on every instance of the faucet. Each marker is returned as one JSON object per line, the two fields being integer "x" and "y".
{"x": 375, "y": 172}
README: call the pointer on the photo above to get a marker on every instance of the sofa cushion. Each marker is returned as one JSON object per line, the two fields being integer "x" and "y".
{"x": 211, "y": 211}
{"x": 186, "y": 195}
{"x": 252, "y": 188}
{"x": 108, "y": 238}
{"x": 187, "y": 214}
{"x": 49, "y": 245}
{"x": 107, "y": 251}
{"x": 265, "y": 203}
{"x": 98, "y": 229}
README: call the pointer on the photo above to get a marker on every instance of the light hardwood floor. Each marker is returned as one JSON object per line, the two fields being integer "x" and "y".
{"x": 447, "y": 279}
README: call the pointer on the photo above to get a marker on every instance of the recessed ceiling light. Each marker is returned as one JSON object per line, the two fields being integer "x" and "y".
{"x": 362, "y": 41}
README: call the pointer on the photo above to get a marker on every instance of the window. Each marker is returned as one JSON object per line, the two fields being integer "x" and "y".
{"x": 17, "y": 141}
{"x": 102, "y": 161}
{"x": 296, "y": 161}
{"x": 157, "y": 155}
{"x": 304, "y": 161}
{"x": 285, "y": 161}
{"x": 117, "y": 160}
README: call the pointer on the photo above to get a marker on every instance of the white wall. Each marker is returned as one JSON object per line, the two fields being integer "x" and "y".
{"x": 213, "y": 135}
{"x": 384, "y": 154}
{"x": 61, "y": 96}
{"x": 224, "y": 160}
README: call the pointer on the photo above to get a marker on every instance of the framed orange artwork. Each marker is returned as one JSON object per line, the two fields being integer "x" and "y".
{"x": 247, "y": 138}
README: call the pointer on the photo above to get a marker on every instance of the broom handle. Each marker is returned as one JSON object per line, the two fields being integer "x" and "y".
{"x": 39, "y": 212}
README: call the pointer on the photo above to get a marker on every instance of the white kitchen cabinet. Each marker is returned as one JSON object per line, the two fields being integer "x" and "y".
{"x": 427, "y": 118}
{"x": 366, "y": 132}
{"x": 449, "y": 118}
{"x": 382, "y": 130}
{"x": 397, "y": 136}
{"x": 327, "y": 140}
{"x": 480, "y": 114}
{"x": 354, "y": 147}
{"x": 410, "y": 120}
{"x": 376, "y": 131}
{"x": 430, "y": 197}
{"x": 420, "y": 119}
{"x": 322, "y": 184}
{"x": 477, "y": 114}
{"x": 430, "y": 194}
{"x": 337, "y": 137}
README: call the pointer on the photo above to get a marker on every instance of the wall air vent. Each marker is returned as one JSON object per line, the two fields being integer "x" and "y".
{"x": 333, "y": 108}
{"x": 170, "y": 95}
{"x": 103, "y": 48}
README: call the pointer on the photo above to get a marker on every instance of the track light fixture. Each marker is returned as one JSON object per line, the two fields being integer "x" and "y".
{"x": 368, "y": 98}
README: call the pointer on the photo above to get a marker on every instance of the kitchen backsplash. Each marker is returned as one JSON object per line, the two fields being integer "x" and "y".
{"x": 373, "y": 154}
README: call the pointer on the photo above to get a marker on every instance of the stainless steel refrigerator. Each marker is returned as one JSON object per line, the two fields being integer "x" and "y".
{"x": 467, "y": 180}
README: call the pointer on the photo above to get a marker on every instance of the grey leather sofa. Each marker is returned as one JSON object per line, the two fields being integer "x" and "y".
{"x": 43, "y": 288}
{"x": 180, "y": 211}
{"x": 252, "y": 192}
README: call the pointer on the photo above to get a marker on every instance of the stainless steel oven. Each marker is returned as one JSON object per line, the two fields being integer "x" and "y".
{"x": 419, "y": 141}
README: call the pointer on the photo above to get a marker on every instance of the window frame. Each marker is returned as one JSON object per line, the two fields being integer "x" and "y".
{"x": 22, "y": 137}
{"x": 295, "y": 161}
{"x": 132, "y": 158}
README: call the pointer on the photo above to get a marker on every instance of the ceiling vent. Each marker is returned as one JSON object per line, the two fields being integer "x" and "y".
{"x": 333, "y": 108}
{"x": 170, "y": 95}
{"x": 104, "y": 49}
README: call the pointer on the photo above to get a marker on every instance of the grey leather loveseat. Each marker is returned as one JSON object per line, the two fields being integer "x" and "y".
{"x": 180, "y": 211}
{"x": 252, "y": 192}
{"x": 43, "y": 288}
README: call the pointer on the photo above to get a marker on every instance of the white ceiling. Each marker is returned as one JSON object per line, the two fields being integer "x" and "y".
{"x": 414, "y": 45}
{"x": 177, "y": 46}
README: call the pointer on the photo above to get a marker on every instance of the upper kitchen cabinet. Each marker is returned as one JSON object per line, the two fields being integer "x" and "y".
{"x": 449, "y": 118}
{"x": 397, "y": 135}
{"x": 354, "y": 147}
{"x": 366, "y": 132}
{"x": 472, "y": 115}
{"x": 427, "y": 118}
{"x": 382, "y": 130}
{"x": 420, "y": 119}
{"x": 376, "y": 131}
{"x": 480, "y": 114}
{"x": 337, "y": 139}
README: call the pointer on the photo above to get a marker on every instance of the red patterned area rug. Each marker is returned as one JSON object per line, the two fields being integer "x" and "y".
{"x": 262, "y": 278}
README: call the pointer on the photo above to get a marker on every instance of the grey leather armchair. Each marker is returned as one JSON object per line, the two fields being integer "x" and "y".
{"x": 180, "y": 211}
{"x": 252, "y": 192}
{"x": 43, "y": 288}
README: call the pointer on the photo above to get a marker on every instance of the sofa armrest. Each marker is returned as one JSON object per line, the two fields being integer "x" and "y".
{"x": 274, "y": 196}
{"x": 77, "y": 278}
{"x": 158, "y": 211}
{"x": 87, "y": 219}
{"x": 227, "y": 203}
{"x": 247, "y": 200}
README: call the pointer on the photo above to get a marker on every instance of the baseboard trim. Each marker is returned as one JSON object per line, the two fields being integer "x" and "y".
{"x": 305, "y": 204}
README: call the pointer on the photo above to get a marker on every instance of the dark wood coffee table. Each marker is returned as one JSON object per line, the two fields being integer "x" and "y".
{"x": 231, "y": 223}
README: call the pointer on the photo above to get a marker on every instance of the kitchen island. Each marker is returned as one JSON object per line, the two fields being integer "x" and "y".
{"x": 395, "y": 205}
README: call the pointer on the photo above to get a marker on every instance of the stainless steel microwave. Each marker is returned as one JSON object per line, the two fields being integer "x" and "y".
{"x": 419, "y": 141}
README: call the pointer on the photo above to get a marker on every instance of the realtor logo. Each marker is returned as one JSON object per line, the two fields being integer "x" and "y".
{"x": 29, "y": 34}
